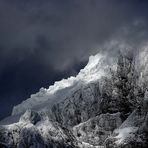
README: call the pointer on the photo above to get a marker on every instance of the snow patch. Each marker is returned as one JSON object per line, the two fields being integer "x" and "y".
{"x": 124, "y": 134}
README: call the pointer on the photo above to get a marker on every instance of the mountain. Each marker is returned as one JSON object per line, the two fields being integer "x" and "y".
{"x": 45, "y": 98}
{"x": 105, "y": 105}
{"x": 35, "y": 130}
{"x": 64, "y": 88}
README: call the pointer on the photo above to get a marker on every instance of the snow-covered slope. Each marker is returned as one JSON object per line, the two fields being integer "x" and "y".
{"x": 96, "y": 108}
{"x": 35, "y": 130}
{"x": 81, "y": 105}
{"x": 94, "y": 70}
{"x": 97, "y": 67}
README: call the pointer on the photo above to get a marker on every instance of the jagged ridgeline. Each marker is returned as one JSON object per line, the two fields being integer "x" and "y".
{"x": 105, "y": 105}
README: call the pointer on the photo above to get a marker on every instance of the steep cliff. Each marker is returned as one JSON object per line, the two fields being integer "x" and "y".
{"x": 105, "y": 105}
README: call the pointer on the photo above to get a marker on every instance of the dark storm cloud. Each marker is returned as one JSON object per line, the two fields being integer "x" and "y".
{"x": 44, "y": 40}
{"x": 19, "y": 80}
{"x": 70, "y": 27}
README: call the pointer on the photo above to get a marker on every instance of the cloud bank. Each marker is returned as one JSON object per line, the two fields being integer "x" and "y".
{"x": 43, "y": 41}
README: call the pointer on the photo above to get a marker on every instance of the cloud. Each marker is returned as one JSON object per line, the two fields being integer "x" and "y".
{"x": 42, "y": 41}
{"x": 65, "y": 30}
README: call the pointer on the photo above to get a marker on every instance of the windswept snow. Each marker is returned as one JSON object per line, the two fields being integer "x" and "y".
{"x": 94, "y": 70}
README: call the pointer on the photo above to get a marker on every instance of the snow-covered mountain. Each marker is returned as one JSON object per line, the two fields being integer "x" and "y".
{"x": 94, "y": 70}
{"x": 104, "y": 105}
{"x": 97, "y": 67}
{"x": 35, "y": 130}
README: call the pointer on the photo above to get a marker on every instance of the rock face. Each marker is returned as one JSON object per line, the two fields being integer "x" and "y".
{"x": 99, "y": 108}
{"x": 96, "y": 130}
{"x": 37, "y": 131}
{"x": 82, "y": 105}
{"x": 30, "y": 117}
{"x": 133, "y": 132}
{"x": 92, "y": 72}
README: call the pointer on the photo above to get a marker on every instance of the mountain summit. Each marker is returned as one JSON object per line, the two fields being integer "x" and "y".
{"x": 105, "y": 105}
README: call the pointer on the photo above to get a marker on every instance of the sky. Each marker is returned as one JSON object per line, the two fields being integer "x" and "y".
{"x": 42, "y": 41}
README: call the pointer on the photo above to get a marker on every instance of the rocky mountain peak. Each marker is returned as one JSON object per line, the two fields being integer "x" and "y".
{"x": 103, "y": 106}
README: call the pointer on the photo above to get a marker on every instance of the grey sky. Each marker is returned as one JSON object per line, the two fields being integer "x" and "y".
{"x": 51, "y": 39}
